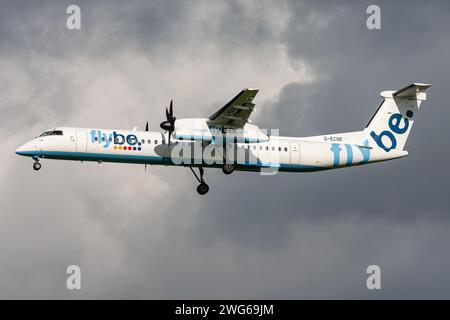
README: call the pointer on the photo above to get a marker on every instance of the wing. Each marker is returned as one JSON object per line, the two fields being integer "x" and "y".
{"x": 236, "y": 112}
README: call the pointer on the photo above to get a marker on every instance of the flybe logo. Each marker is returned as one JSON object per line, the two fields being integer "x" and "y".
{"x": 398, "y": 125}
{"x": 120, "y": 141}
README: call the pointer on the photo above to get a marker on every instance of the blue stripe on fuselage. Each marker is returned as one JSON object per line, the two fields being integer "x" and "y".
{"x": 141, "y": 159}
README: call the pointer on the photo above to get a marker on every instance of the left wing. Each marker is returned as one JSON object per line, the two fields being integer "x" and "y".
{"x": 236, "y": 112}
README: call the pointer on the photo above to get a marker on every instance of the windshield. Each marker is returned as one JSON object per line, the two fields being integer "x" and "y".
{"x": 52, "y": 133}
{"x": 46, "y": 133}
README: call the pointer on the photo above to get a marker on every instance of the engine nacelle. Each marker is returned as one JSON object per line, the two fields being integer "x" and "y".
{"x": 201, "y": 130}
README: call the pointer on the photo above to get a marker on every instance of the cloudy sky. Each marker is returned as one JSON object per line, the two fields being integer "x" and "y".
{"x": 149, "y": 235}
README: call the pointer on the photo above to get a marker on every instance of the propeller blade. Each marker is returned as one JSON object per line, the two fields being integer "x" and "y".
{"x": 145, "y": 170}
{"x": 146, "y": 126}
{"x": 169, "y": 124}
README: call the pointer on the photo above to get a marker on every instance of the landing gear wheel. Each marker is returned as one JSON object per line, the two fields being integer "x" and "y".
{"x": 202, "y": 188}
{"x": 228, "y": 168}
{"x": 36, "y": 166}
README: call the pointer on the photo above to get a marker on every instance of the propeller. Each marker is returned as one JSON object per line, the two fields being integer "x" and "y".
{"x": 169, "y": 124}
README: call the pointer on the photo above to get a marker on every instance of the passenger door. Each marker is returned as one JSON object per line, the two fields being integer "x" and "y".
{"x": 295, "y": 153}
{"x": 81, "y": 140}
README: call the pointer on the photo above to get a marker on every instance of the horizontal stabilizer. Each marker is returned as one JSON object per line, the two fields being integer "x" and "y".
{"x": 411, "y": 91}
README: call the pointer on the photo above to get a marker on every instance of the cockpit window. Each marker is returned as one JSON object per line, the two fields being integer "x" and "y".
{"x": 52, "y": 133}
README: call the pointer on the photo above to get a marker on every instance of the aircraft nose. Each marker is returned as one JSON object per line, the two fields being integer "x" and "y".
{"x": 24, "y": 149}
{"x": 20, "y": 150}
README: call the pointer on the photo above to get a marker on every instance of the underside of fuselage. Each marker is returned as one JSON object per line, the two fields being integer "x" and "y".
{"x": 257, "y": 166}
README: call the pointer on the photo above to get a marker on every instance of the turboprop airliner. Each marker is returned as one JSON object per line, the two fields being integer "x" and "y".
{"x": 228, "y": 140}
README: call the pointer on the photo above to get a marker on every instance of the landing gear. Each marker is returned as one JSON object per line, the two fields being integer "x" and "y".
{"x": 36, "y": 164}
{"x": 202, "y": 188}
{"x": 228, "y": 168}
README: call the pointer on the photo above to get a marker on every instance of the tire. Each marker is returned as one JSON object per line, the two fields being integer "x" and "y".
{"x": 202, "y": 188}
{"x": 228, "y": 168}
{"x": 36, "y": 166}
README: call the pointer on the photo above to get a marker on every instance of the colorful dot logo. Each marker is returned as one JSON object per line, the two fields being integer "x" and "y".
{"x": 125, "y": 148}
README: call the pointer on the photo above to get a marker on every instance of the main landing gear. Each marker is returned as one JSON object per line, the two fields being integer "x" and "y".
{"x": 36, "y": 164}
{"x": 202, "y": 188}
{"x": 228, "y": 168}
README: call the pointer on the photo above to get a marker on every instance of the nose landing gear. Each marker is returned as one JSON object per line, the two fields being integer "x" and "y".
{"x": 36, "y": 164}
{"x": 202, "y": 188}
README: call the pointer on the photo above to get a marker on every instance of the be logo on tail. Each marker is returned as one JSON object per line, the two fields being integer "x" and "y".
{"x": 398, "y": 125}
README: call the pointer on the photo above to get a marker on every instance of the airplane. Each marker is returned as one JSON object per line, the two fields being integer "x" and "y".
{"x": 229, "y": 140}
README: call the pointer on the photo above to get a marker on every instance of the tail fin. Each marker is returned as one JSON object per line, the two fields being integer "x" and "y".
{"x": 392, "y": 122}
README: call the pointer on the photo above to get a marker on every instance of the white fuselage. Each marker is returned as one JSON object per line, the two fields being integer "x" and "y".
{"x": 152, "y": 147}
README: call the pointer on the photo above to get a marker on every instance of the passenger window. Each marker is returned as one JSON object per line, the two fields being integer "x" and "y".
{"x": 103, "y": 139}
{"x": 285, "y": 149}
{"x": 260, "y": 147}
{"x": 143, "y": 141}
{"x": 96, "y": 138}
{"x": 254, "y": 147}
{"x": 273, "y": 148}
{"x": 149, "y": 141}
{"x": 156, "y": 141}
{"x": 267, "y": 148}
{"x": 279, "y": 148}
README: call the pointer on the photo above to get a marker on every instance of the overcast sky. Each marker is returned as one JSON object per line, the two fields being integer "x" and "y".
{"x": 150, "y": 235}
